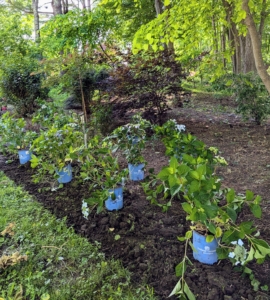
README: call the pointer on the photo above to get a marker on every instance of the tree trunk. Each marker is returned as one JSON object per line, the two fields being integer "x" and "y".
{"x": 256, "y": 46}
{"x": 248, "y": 57}
{"x": 64, "y": 5}
{"x": 57, "y": 7}
{"x": 158, "y": 7}
{"x": 89, "y": 7}
{"x": 36, "y": 20}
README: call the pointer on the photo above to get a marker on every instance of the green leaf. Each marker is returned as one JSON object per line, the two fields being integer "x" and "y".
{"x": 174, "y": 190}
{"x": 222, "y": 253}
{"x": 187, "y": 207}
{"x": 201, "y": 170}
{"x": 188, "y": 234}
{"x": 209, "y": 238}
{"x": 256, "y": 210}
{"x": 210, "y": 210}
{"x": 183, "y": 169}
{"x": 263, "y": 250}
{"x": 247, "y": 270}
{"x": 240, "y": 16}
{"x": 173, "y": 163}
{"x": 181, "y": 239}
{"x": 176, "y": 289}
{"x": 117, "y": 237}
{"x": 230, "y": 236}
{"x": 192, "y": 247}
{"x": 218, "y": 232}
{"x": 163, "y": 174}
{"x": 249, "y": 195}
{"x": 230, "y": 196}
{"x": 231, "y": 213}
{"x": 180, "y": 269}
{"x": 188, "y": 292}
{"x": 212, "y": 228}
{"x": 257, "y": 200}
{"x": 194, "y": 186}
{"x": 246, "y": 227}
{"x": 189, "y": 159}
{"x": 250, "y": 254}
{"x": 167, "y": 2}
{"x": 195, "y": 175}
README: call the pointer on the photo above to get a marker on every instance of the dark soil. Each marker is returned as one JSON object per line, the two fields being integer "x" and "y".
{"x": 148, "y": 244}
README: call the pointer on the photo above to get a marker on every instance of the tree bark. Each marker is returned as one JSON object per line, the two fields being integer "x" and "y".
{"x": 248, "y": 57}
{"x": 57, "y": 7}
{"x": 256, "y": 46}
{"x": 158, "y": 7}
{"x": 36, "y": 20}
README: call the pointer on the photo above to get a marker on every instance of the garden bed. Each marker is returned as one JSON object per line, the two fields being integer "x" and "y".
{"x": 144, "y": 238}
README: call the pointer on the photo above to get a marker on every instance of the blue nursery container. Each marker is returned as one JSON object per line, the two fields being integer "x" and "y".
{"x": 24, "y": 156}
{"x": 117, "y": 203}
{"x": 65, "y": 175}
{"x": 136, "y": 172}
{"x": 206, "y": 252}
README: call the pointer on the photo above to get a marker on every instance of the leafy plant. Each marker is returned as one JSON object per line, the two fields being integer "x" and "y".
{"x": 212, "y": 211}
{"x": 49, "y": 114}
{"x": 252, "y": 97}
{"x": 101, "y": 170}
{"x": 15, "y": 136}
{"x": 146, "y": 79}
{"x": 22, "y": 86}
{"x": 55, "y": 148}
{"x": 131, "y": 139}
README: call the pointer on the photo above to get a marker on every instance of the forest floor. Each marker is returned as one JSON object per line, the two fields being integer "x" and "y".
{"x": 142, "y": 236}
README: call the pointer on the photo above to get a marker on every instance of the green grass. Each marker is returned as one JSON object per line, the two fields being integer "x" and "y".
{"x": 60, "y": 264}
{"x": 204, "y": 88}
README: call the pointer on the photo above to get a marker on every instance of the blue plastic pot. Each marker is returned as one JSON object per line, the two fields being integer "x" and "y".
{"x": 205, "y": 252}
{"x": 134, "y": 139}
{"x": 65, "y": 175}
{"x": 24, "y": 156}
{"x": 116, "y": 202}
{"x": 136, "y": 172}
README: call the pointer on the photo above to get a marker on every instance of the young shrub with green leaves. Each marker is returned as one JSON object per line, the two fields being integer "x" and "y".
{"x": 49, "y": 114}
{"x": 22, "y": 86}
{"x": 100, "y": 169}
{"x": 131, "y": 138}
{"x": 54, "y": 149}
{"x": 252, "y": 98}
{"x": 212, "y": 210}
{"x": 14, "y": 134}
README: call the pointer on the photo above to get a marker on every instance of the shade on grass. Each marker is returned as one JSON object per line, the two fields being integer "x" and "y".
{"x": 51, "y": 261}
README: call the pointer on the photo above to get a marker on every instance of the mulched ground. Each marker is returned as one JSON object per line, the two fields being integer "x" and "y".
{"x": 148, "y": 244}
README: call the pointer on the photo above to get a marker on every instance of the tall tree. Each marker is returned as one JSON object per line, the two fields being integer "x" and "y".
{"x": 36, "y": 20}
{"x": 256, "y": 45}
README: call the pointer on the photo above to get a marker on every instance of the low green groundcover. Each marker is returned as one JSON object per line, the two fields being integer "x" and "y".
{"x": 40, "y": 258}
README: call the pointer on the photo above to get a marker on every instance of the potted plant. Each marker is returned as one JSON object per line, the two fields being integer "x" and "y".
{"x": 99, "y": 167}
{"x": 217, "y": 234}
{"x": 54, "y": 150}
{"x": 131, "y": 138}
{"x": 24, "y": 152}
{"x": 16, "y": 139}
{"x": 212, "y": 211}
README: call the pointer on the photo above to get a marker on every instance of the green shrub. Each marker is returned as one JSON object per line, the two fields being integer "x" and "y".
{"x": 252, "y": 97}
{"x": 22, "y": 87}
